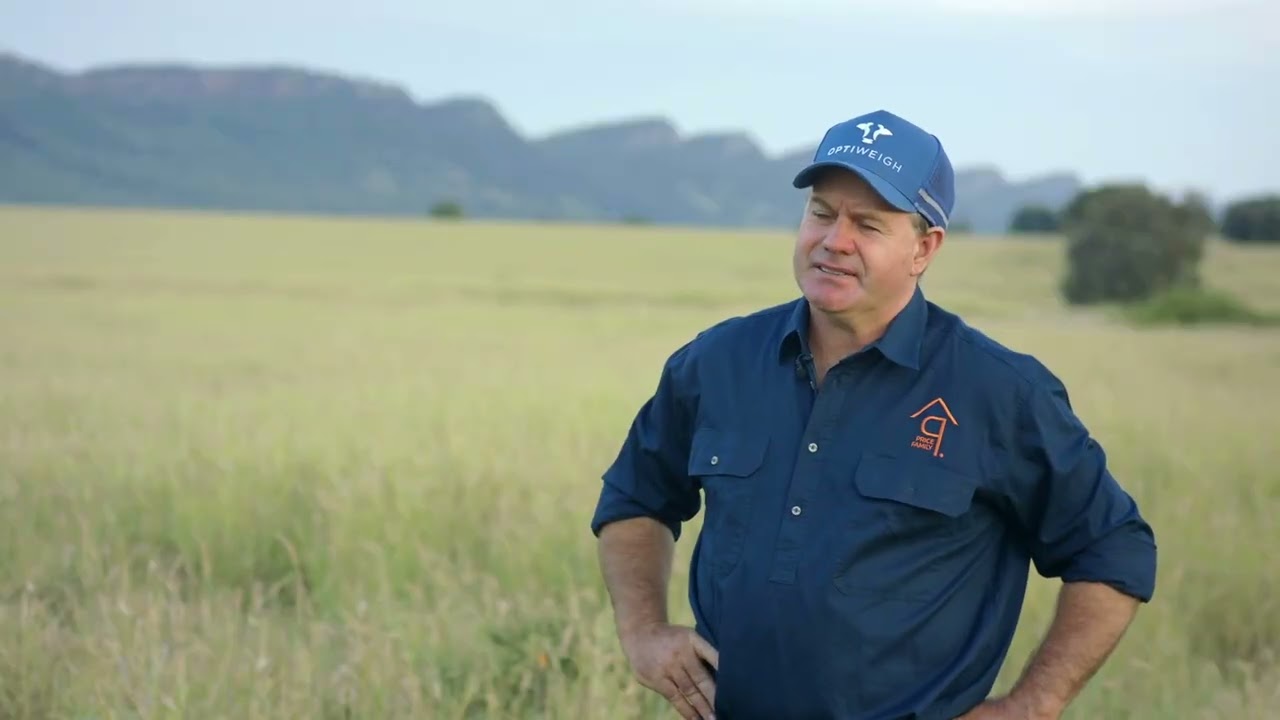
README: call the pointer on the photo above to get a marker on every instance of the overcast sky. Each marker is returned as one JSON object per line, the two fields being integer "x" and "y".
{"x": 1180, "y": 93}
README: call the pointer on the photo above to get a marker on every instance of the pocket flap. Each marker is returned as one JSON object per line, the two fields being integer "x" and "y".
{"x": 923, "y": 485}
{"x": 725, "y": 452}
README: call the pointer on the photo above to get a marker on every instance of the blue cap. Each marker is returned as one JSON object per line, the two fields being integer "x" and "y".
{"x": 904, "y": 164}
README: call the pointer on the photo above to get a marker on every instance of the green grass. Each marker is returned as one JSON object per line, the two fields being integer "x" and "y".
{"x": 280, "y": 467}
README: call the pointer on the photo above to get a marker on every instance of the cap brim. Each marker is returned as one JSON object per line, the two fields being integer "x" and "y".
{"x": 882, "y": 187}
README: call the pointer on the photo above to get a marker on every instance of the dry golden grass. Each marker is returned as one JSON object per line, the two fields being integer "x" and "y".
{"x": 280, "y": 467}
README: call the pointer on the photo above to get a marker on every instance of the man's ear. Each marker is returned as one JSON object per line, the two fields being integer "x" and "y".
{"x": 926, "y": 246}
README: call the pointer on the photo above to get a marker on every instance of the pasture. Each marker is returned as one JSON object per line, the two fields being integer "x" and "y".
{"x": 274, "y": 467}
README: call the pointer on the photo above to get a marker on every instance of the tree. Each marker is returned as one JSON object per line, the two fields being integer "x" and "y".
{"x": 1253, "y": 220}
{"x": 1034, "y": 219}
{"x": 1126, "y": 243}
{"x": 1197, "y": 210}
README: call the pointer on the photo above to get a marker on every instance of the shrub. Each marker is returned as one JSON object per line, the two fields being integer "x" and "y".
{"x": 1034, "y": 219}
{"x": 1127, "y": 244}
{"x": 1193, "y": 306}
{"x": 447, "y": 210}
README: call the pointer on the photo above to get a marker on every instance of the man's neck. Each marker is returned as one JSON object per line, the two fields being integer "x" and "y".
{"x": 835, "y": 337}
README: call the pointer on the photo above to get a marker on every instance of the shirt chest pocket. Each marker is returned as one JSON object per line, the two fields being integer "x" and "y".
{"x": 914, "y": 497}
{"x": 727, "y": 464}
{"x": 909, "y": 520}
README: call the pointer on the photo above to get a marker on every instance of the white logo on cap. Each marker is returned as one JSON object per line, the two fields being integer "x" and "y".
{"x": 868, "y": 153}
{"x": 869, "y": 137}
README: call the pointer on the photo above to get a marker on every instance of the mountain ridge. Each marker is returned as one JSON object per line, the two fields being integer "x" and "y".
{"x": 289, "y": 138}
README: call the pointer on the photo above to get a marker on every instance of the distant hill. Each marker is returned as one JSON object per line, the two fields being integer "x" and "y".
{"x": 287, "y": 139}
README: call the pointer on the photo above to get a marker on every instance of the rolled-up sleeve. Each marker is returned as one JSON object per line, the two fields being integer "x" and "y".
{"x": 1080, "y": 524}
{"x": 649, "y": 477}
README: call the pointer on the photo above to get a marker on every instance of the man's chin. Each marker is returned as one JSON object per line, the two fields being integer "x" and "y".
{"x": 828, "y": 301}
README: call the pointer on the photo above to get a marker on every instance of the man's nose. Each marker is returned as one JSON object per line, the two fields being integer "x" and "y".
{"x": 841, "y": 238}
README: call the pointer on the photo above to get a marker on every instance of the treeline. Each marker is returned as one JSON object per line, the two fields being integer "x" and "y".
{"x": 1248, "y": 220}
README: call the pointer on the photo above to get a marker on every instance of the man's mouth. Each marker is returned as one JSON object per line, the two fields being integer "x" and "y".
{"x": 829, "y": 270}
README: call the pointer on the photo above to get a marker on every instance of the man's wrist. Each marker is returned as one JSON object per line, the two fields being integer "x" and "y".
{"x": 1034, "y": 704}
{"x": 633, "y": 628}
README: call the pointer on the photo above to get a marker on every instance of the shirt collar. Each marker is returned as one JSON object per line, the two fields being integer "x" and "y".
{"x": 900, "y": 342}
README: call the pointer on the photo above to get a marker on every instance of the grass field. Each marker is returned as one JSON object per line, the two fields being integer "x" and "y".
{"x": 308, "y": 468}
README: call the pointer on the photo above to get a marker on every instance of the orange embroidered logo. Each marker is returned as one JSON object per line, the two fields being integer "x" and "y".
{"x": 933, "y": 426}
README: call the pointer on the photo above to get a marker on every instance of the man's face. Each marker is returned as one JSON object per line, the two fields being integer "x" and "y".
{"x": 855, "y": 253}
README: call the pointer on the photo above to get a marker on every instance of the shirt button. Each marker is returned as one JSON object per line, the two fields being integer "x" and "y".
{"x": 813, "y": 447}
{"x": 715, "y": 459}
{"x": 795, "y": 510}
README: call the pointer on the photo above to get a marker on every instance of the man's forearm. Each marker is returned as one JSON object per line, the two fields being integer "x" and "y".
{"x": 635, "y": 561}
{"x": 1089, "y": 622}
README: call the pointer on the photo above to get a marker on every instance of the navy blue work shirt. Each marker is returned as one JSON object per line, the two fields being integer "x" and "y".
{"x": 866, "y": 545}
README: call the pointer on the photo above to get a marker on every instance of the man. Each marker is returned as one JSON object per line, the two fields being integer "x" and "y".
{"x": 879, "y": 478}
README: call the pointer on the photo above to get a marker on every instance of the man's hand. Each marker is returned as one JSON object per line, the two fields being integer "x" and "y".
{"x": 1004, "y": 708}
{"x": 635, "y": 558}
{"x": 1089, "y": 622}
{"x": 668, "y": 659}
